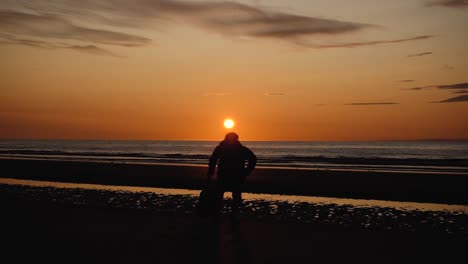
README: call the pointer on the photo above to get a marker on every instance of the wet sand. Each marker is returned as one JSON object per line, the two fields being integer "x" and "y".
{"x": 395, "y": 186}
{"x": 346, "y": 214}
{"x": 76, "y": 225}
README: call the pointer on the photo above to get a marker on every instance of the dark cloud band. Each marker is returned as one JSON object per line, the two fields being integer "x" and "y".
{"x": 450, "y": 3}
{"x": 419, "y": 54}
{"x": 275, "y": 94}
{"x": 456, "y": 86}
{"x": 419, "y": 88}
{"x": 369, "y": 43}
{"x": 374, "y": 103}
{"x": 457, "y": 99}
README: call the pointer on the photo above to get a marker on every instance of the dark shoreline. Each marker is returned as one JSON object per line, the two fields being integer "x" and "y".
{"x": 397, "y": 186}
{"x": 202, "y": 159}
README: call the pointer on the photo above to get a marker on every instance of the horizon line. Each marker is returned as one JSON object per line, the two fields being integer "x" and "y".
{"x": 248, "y": 140}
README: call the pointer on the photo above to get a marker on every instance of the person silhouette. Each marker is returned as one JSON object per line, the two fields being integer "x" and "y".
{"x": 235, "y": 162}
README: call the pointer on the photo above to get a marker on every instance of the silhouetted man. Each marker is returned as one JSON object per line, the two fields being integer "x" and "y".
{"x": 235, "y": 162}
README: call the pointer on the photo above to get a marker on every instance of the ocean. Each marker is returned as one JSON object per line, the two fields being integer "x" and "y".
{"x": 409, "y": 156}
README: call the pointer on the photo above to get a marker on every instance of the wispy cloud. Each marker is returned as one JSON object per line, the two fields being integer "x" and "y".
{"x": 448, "y": 67}
{"x": 225, "y": 17}
{"x": 374, "y": 103}
{"x": 91, "y": 49}
{"x": 454, "y": 86}
{"x": 419, "y": 88}
{"x": 368, "y": 43}
{"x": 457, "y": 99}
{"x": 275, "y": 94}
{"x": 419, "y": 54}
{"x": 58, "y": 19}
{"x": 54, "y": 26}
{"x": 10, "y": 39}
{"x": 217, "y": 94}
{"x": 450, "y": 3}
{"x": 458, "y": 88}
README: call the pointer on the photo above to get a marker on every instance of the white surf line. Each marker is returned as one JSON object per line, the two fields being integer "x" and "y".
{"x": 251, "y": 196}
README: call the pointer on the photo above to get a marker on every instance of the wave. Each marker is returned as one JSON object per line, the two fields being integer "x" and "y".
{"x": 284, "y": 160}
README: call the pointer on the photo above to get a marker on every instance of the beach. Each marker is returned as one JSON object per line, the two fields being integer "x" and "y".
{"x": 430, "y": 187}
{"x": 48, "y": 233}
{"x": 75, "y": 225}
{"x": 113, "y": 212}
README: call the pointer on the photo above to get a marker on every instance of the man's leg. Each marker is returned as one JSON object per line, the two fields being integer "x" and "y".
{"x": 219, "y": 194}
{"x": 236, "y": 201}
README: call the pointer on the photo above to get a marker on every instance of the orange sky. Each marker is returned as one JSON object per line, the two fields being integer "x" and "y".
{"x": 283, "y": 70}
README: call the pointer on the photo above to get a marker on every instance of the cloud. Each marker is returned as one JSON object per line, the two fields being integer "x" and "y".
{"x": 441, "y": 87}
{"x": 406, "y": 81}
{"x": 224, "y": 17}
{"x": 275, "y": 94}
{"x": 448, "y": 67}
{"x": 216, "y": 94}
{"x": 457, "y": 99}
{"x": 374, "y": 103}
{"x": 419, "y": 88}
{"x": 91, "y": 49}
{"x": 10, "y": 39}
{"x": 454, "y": 86}
{"x": 56, "y": 19}
{"x": 368, "y": 43}
{"x": 450, "y": 3}
{"x": 458, "y": 88}
{"x": 259, "y": 23}
{"x": 53, "y": 26}
{"x": 419, "y": 54}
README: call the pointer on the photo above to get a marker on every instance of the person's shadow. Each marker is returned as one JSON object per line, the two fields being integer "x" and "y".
{"x": 240, "y": 244}
{"x": 223, "y": 242}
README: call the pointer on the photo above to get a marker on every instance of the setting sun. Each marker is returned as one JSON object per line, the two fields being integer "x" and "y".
{"x": 228, "y": 123}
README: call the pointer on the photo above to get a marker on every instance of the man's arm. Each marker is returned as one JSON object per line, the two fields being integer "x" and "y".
{"x": 212, "y": 163}
{"x": 251, "y": 161}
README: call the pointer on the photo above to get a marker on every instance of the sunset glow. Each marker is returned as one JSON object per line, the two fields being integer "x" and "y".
{"x": 287, "y": 70}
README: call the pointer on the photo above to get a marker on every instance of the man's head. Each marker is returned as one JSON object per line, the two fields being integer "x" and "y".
{"x": 231, "y": 138}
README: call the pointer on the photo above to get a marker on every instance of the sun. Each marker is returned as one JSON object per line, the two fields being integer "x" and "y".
{"x": 229, "y": 123}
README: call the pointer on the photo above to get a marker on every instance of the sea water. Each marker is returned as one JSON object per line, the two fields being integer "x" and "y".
{"x": 410, "y": 156}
